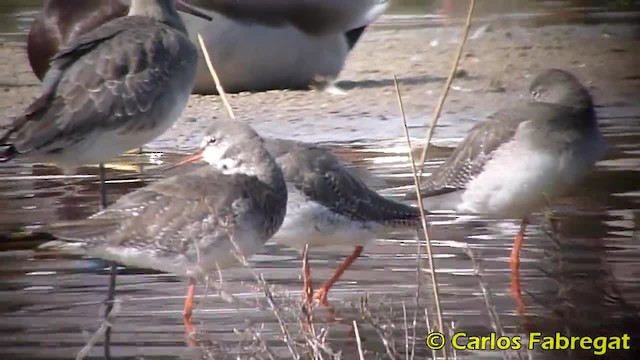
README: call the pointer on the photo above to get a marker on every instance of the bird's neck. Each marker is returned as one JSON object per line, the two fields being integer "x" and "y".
{"x": 271, "y": 174}
{"x": 161, "y": 10}
{"x": 579, "y": 99}
{"x": 259, "y": 164}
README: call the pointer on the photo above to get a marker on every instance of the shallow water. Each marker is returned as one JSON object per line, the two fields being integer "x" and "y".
{"x": 579, "y": 278}
{"x": 579, "y": 270}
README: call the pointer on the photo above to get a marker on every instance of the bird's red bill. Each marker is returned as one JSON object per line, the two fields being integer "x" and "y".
{"x": 196, "y": 156}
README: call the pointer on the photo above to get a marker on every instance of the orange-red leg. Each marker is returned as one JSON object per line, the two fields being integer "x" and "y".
{"x": 323, "y": 291}
{"x": 514, "y": 262}
{"x": 188, "y": 306}
{"x": 307, "y": 289}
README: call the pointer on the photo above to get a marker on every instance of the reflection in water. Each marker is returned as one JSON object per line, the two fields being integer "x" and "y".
{"x": 579, "y": 272}
{"x": 580, "y": 267}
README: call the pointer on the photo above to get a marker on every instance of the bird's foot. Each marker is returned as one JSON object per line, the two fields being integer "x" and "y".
{"x": 335, "y": 90}
{"x": 320, "y": 296}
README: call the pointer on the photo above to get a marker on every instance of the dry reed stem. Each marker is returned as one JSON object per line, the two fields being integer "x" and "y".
{"x": 486, "y": 294}
{"x": 452, "y": 331}
{"x": 406, "y": 330}
{"x": 358, "y": 340}
{"x": 214, "y": 75}
{"x": 263, "y": 345}
{"x": 102, "y": 330}
{"x": 312, "y": 339}
{"x": 434, "y": 355}
{"x": 423, "y": 220}
{"x": 387, "y": 341}
{"x": 417, "y": 298}
{"x": 288, "y": 340}
{"x": 447, "y": 86}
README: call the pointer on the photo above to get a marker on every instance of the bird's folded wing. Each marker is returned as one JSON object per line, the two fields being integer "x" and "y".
{"x": 99, "y": 85}
{"x": 471, "y": 155}
{"x": 168, "y": 214}
{"x": 319, "y": 175}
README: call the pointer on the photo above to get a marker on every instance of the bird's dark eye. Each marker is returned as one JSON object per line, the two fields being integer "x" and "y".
{"x": 212, "y": 141}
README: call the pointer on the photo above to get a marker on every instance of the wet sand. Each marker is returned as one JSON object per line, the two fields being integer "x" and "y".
{"x": 496, "y": 68}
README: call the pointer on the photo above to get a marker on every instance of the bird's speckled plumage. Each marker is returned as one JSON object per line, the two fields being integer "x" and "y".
{"x": 328, "y": 206}
{"x": 537, "y": 149}
{"x": 108, "y": 91}
{"x": 183, "y": 224}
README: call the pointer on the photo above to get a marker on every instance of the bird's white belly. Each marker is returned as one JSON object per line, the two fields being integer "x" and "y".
{"x": 255, "y": 57}
{"x": 144, "y": 259}
{"x": 310, "y": 223}
{"x": 100, "y": 146}
{"x": 206, "y": 260}
{"x": 520, "y": 179}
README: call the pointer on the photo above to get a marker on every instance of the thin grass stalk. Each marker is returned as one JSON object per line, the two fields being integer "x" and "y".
{"x": 423, "y": 220}
{"x": 434, "y": 355}
{"x": 406, "y": 330}
{"x": 358, "y": 340}
{"x": 447, "y": 86}
{"x": 417, "y": 298}
{"x": 387, "y": 341}
{"x": 486, "y": 294}
{"x": 215, "y": 77}
{"x": 264, "y": 286}
{"x": 452, "y": 331}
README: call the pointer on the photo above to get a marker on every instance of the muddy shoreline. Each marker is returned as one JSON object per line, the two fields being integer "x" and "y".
{"x": 495, "y": 69}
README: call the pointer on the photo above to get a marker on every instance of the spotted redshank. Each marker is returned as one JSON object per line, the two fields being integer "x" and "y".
{"x": 521, "y": 157}
{"x": 247, "y": 56}
{"x": 108, "y": 91}
{"x": 329, "y": 207}
{"x": 190, "y": 224}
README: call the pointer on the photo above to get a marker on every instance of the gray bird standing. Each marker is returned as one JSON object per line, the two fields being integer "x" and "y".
{"x": 329, "y": 207}
{"x": 521, "y": 157}
{"x": 108, "y": 91}
{"x": 190, "y": 224}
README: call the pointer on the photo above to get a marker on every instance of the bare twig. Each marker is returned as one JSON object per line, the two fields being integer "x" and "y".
{"x": 486, "y": 294}
{"x": 447, "y": 86}
{"x": 288, "y": 340}
{"x": 263, "y": 345}
{"x": 387, "y": 340}
{"x": 452, "y": 331}
{"x": 417, "y": 298}
{"x": 102, "y": 330}
{"x": 358, "y": 340}
{"x": 276, "y": 311}
{"x": 406, "y": 331}
{"x": 214, "y": 75}
{"x": 423, "y": 220}
{"x": 434, "y": 355}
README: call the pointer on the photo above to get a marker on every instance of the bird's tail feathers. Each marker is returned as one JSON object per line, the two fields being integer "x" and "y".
{"x": 7, "y": 152}
{"x": 76, "y": 248}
